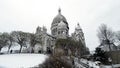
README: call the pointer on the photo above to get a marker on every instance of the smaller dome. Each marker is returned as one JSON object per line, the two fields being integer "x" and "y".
{"x": 61, "y": 25}
{"x": 44, "y": 29}
{"x": 38, "y": 28}
{"x": 78, "y": 27}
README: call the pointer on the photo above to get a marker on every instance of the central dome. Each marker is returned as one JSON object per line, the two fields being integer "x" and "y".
{"x": 59, "y": 18}
{"x": 59, "y": 23}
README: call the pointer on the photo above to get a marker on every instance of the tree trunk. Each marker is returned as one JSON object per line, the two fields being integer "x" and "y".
{"x": 32, "y": 51}
{"x": 0, "y": 49}
{"x": 9, "y": 47}
{"x": 20, "y": 48}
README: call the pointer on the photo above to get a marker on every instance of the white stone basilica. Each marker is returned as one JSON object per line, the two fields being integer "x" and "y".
{"x": 59, "y": 30}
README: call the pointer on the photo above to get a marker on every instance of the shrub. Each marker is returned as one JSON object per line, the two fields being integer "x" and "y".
{"x": 54, "y": 62}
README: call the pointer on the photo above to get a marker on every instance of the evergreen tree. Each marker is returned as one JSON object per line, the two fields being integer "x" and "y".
{"x": 100, "y": 55}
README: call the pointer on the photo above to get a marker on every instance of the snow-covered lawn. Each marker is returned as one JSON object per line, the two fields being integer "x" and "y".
{"x": 21, "y": 60}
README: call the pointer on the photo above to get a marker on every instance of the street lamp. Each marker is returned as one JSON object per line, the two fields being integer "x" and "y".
{"x": 110, "y": 50}
{"x": 110, "y": 60}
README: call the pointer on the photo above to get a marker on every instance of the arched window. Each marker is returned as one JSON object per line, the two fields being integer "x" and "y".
{"x": 63, "y": 32}
{"x": 58, "y": 32}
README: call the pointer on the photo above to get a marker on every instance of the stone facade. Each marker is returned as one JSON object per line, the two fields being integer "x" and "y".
{"x": 59, "y": 30}
{"x": 47, "y": 40}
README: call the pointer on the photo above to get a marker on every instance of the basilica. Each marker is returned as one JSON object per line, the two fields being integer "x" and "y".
{"x": 59, "y": 30}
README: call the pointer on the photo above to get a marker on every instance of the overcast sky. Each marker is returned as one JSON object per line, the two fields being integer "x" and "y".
{"x": 26, "y": 15}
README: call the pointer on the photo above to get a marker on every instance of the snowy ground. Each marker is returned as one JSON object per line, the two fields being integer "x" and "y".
{"x": 21, "y": 60}
{"x": 93, "y": 64}
{"x": 5, "y": 49}
{"x": 90, "y": 63}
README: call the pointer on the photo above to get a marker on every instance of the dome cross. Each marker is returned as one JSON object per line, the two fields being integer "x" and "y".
{"x": 59, "y": 10}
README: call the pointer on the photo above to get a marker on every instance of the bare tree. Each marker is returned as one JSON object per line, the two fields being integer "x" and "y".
{"x": 106, "y": 35}
{"x": 32, "y": 41}
{"x": 118, "y": 36}
{"x": 3, "y": 40}
{"x": 11, "y": 40}
{"x": 20, "y": 37}
{"x": 118, "y": 39}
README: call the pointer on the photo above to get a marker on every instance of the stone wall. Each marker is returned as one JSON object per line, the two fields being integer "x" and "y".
{"x": 115, "y": 56}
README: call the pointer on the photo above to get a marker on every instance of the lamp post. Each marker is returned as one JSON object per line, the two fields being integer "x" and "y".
{"x": 110, "y": 50}
{"x": 110, "y": 60}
